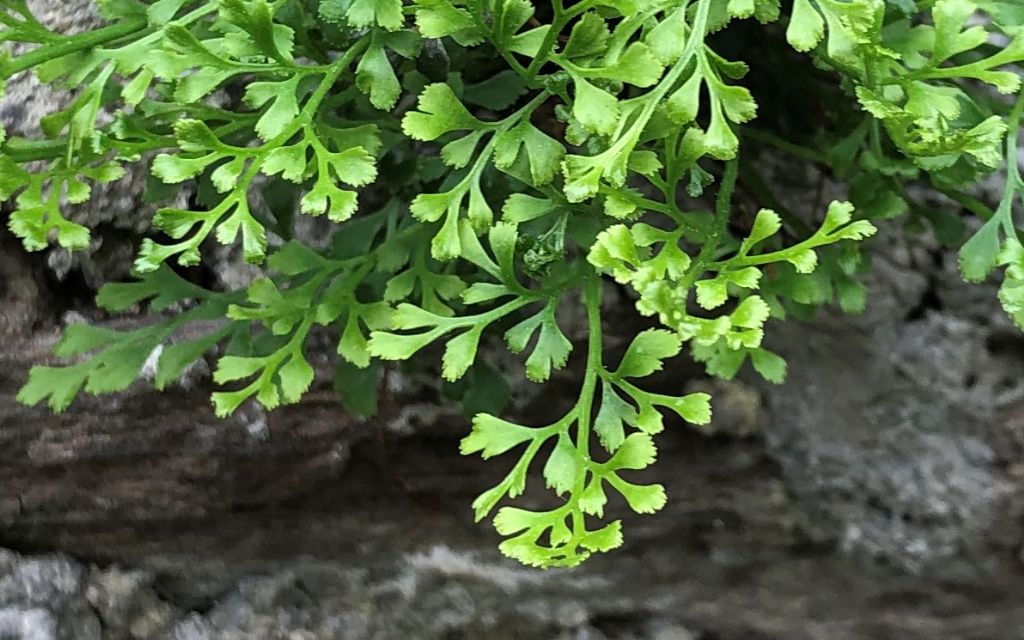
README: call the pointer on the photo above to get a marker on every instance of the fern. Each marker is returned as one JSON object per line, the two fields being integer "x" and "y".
{"x": 487, "y": 163}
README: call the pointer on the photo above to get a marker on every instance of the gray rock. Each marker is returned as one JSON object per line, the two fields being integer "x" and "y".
{"x": 42, "y": 599}
{"x": 27, "y": 624}
{"x": 23, "y": 303}
{"x": 888, "y": 429}
{"x": 39, "y": 581}
{"x": 126, "y": 604}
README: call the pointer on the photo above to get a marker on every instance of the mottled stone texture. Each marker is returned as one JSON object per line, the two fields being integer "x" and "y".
{"x": 875, "y": 495}
{"x": 902, "y": 435}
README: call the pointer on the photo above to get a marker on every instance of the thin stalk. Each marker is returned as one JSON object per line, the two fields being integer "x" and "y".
{"x": 74, "y": 44}
{"x": 21, "y": 151}
{"x": 561, "y": 18}
{"x": 1013, "y": 179}
{"x": 723, "y": 205}
{"x": 793, "y": 149}
{"x": 585, "y": 406}
{"x": 653, "y": 99}
{"x": 965, "y": 200}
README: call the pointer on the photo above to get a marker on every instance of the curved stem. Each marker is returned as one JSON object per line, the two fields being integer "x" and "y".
{"x": 772, "y": 140}
{"x": 723, "y": 204}
{"x": 654, "y": 98}
{"x": 584, "y": 408}
{"x": 74, "y": 44}
{"x": 1013, "y": 179}
{"x": 965, "y": 200}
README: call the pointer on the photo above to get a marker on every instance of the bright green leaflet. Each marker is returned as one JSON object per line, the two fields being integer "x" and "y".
{"x": 487, "y": 164}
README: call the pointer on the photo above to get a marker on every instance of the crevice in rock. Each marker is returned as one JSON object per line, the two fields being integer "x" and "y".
{"x": 928, "y": 302}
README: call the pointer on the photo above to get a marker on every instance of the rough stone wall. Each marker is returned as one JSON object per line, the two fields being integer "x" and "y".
{"x": 902, "y": 435}
{"x": 875, "y": 495}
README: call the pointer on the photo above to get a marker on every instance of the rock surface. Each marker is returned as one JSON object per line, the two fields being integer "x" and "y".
{"x": 875, "y": 495}
{"x": 368, "y": 559}
{"x": 901, "y": 435}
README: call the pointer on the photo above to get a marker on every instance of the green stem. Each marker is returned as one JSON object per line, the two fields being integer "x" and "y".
{"x": 557, "y": 24}
{"x": 497, "y": 19}
{"x": 305, "y": 117}
{"x": 584, "y": 408}
{"x": 183, "y": 21}
{"x": 526, "y": 111}
{"x": 1013, "y": 179}
{"x": 696, "y": 41}
{"x": 654, "y": 98}
{"x": 965, "y": 200}
{"x": 770, "y": 139}
{"x": 330, "y": 77}
{"x": 74, "y": 44}
{"x": 723, "y": 204}
{"x": 22, "y": 151}
{"x": 561, "y": 18}
{"x": 775, "y": 256}
{"x": 1012, "y": 136}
